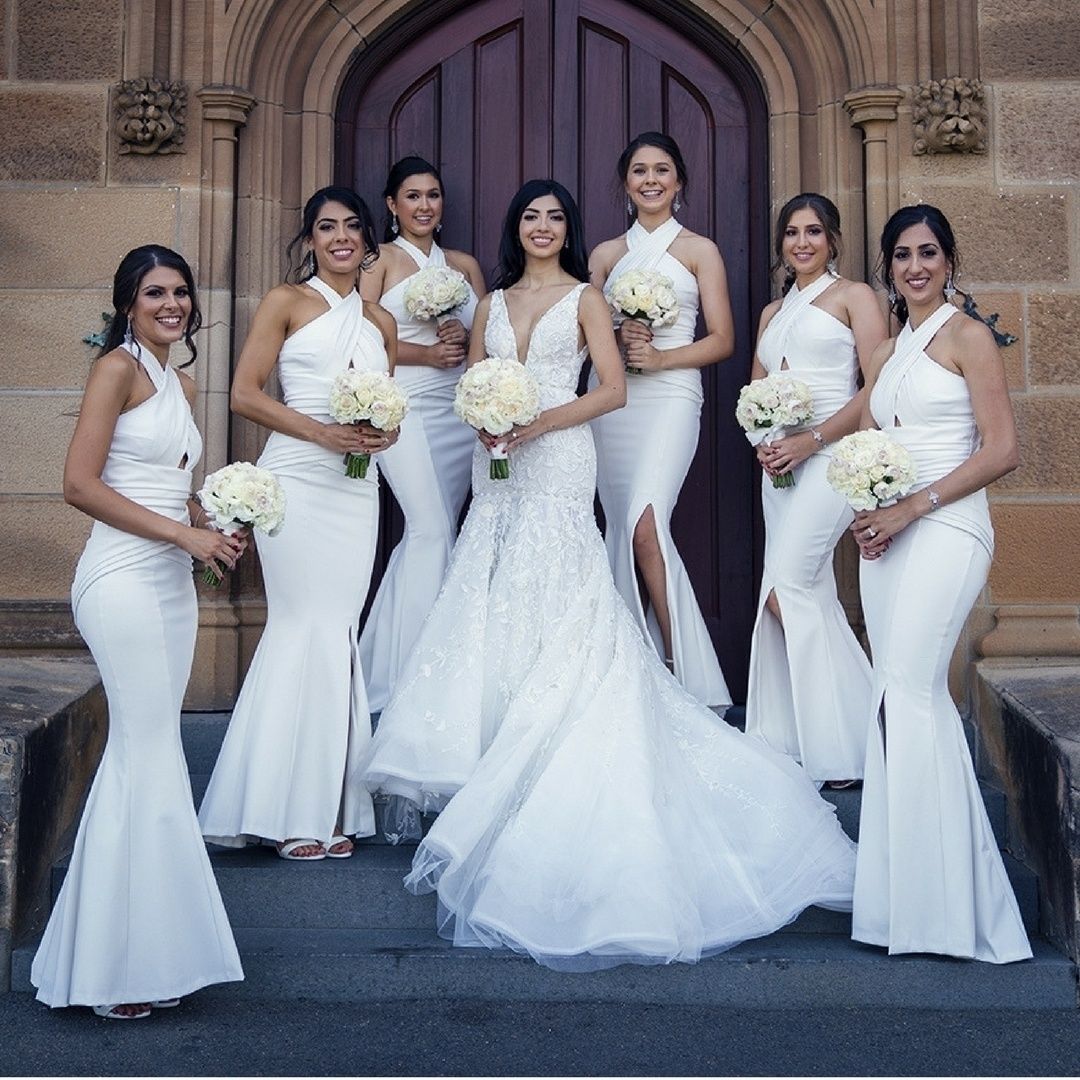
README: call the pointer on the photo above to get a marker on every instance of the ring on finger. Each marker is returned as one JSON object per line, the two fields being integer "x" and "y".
{"x": 870, "y": 532}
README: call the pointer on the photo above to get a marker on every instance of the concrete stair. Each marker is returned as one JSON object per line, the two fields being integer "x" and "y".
{"x": 347, "y": 930}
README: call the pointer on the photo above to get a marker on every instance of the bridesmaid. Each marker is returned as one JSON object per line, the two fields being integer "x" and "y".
{"x": 428, "y": 470}
{"x": 810, "y": 682}
{"x": 139, "y": 921}
{"x": 285, "y": 772}
{"x": 929, "y": 877}
{"x": 644, "y": 451}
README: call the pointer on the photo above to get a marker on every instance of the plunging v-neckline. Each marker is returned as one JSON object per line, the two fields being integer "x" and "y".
{"x": 535, "y": 326}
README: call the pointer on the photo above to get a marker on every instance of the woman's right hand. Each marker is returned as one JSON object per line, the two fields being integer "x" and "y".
{"x": 445, "y": 354}
{"x": 634, "y": 330}
{"x": 351, "y": 438}
{"x": 211, "y": 547}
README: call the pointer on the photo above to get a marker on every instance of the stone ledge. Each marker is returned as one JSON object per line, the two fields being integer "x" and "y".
{"x": 1029, "y": 737}
{"x": 53, "y": 721}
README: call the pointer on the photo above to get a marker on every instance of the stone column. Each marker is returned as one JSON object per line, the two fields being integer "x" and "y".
{"x": 874, "y": 110}
{"x": 225, "y": 110}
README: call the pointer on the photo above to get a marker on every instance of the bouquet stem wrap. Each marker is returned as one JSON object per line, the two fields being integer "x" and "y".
{"x": 500, "y": 462}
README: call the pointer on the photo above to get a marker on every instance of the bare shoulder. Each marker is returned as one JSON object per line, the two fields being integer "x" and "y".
{"x": 969, "y": 339}
{"x": 116, "y": 367}
{"x": 187, "y": 384}
{"x": 855, "y": 292}
{"x": 382, "y": 318}
{"x": 768, "y": 311}
{"x": 463, "y": 261}
{"x": 882, "y": 353}
{"x": 592, "y": 302}
{"x": 608, "y": 252}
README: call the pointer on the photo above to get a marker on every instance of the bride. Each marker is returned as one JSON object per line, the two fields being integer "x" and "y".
{"x": 593, "y": 813}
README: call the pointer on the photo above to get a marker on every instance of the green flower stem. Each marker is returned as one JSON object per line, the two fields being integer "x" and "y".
{"x": 356, "y": 465}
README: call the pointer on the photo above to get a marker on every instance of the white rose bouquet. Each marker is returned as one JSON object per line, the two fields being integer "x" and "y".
{"x": 768, "y": 406}
{"x": 366, "y": 395}
{"x": 870, "y": 469}
{"x": 241, "y": 496}
{"x": 494, "y": 396}
{"x": 646, "y": 295}
{"x": 435, "y": 291}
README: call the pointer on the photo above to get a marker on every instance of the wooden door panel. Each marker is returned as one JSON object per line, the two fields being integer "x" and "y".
{"x": 502, "y": 90}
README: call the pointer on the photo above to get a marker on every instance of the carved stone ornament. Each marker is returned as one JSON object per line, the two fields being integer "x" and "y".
{"x": 150, "y": 116}
{"x": 950, "y": 117}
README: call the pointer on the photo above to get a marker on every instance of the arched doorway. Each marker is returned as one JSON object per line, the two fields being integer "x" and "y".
{"x": 501, "y": 90}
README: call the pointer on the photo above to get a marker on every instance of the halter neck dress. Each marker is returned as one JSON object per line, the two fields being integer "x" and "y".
{"x": 301, "y": 719}
{"x": 810, "y": 683}
{"x": 629, "y": 480}
{"x": 139, "y": 917}
{"x": 428, "y": 472}
{"x": 929, "y": 876}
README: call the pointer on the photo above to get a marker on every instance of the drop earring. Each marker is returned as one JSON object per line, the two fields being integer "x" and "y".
{"x": 892, "y": 294}
{"x": 950, "y": 288}
{"x": 831, "y": 265}
{"x": 676, "y": 206}
{"x": 309, "y": 267}
{"x": 629, "y": 207}
{"x": 394, "y": 227}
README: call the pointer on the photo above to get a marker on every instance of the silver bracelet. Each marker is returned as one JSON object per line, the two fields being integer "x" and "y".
{"x": 818, "y": 438}
{"x": 935, "y": 499}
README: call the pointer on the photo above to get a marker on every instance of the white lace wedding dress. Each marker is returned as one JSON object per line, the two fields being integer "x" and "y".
{"x": 593, "y": 813}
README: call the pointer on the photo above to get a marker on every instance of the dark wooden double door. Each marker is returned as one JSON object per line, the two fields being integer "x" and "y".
{"x": 499, "y": 91}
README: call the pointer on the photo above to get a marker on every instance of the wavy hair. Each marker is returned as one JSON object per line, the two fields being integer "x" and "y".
{"x": 572, "y": 258}
{"x": 825, "y": 211}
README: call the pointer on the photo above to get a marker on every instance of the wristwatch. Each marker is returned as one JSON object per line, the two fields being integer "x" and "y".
{"x": 935, "y": 499}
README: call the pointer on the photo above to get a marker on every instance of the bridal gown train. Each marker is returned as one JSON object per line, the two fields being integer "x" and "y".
{"x": 428, "y": 471}
{"x": 593, "y": 812}
{"x": 634, "y": 473}
{"x": 301, "y": 720}
{"x": 139, "y": 917}
{"x": 929, "y": 876}
{"x": 810, "y": 683}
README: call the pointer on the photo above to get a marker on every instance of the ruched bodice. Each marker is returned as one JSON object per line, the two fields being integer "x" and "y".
{"x": 649, "y": 251}
{"x": 148, "y": 446}
{"x": 310, "y": 360}
{"x": 927, "y": 408}
{"x": 312, "y": 357}
{"x": 418, "y": 377}
{"x": 818, "y": 347}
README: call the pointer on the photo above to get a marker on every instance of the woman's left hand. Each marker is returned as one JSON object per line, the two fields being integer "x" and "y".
{"x": 874, "y": 529}
{"x": 783, "y": 455}
{"x": 640, "y": 354}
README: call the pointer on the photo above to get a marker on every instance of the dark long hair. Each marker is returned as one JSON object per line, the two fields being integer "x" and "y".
{"x": 904, "y": 218}
{"x": 572, "y": 258}
{"x": 659, "y": 141}
{"x": 134, "y": 266}
{"x": 400, "y": 171}
{"x": 824, "y": 210}
{"x": 306, "y": 268}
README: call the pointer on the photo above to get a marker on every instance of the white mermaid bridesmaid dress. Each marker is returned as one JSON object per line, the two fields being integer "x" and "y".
{"x": 301, "y": 720}
{"x": 139, "y": 917}
{"x": 634, "y": 473}
{"x": 929, "y": 876}
{"x": 593, "y": 812}
{"x": 810, "y": 682}
{"x": 428, "y": 471}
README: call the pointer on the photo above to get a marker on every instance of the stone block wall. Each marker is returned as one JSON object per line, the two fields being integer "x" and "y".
{"x": 1016, "y": 215}
{"x": 70, "y": 207}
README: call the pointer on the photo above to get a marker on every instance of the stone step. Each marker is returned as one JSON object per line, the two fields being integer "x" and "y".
{"x": 780, "y": 971}
{"x": 366, "y": 892}
{"x": 202, "y": 734}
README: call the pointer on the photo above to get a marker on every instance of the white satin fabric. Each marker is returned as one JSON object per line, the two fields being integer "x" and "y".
{"x": 428, "y": 472}
{"x": 810, "y": 683}
{"x": 593, "y": 812}
{"x": 644, "y": 452}
{"x": 139, "y": 917}
{"x": 929, "y": 876}
{"x": 301, "y": 720}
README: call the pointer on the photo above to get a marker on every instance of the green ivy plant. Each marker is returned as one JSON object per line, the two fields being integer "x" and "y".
{"x": 97, "y": 340}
